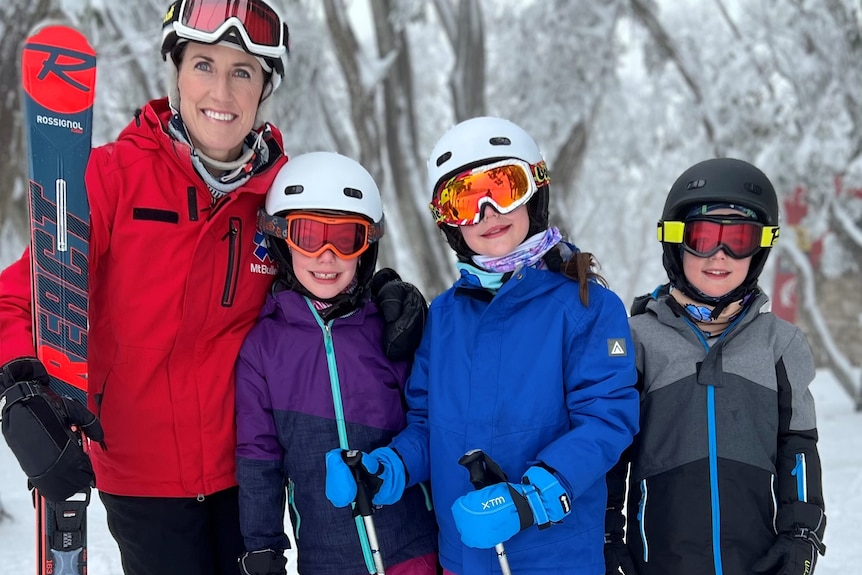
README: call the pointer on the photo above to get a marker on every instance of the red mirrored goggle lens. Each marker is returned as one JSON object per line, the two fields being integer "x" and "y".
{"x": 505, "y": 185}
{"x": 312, "y": 235}
{"x": 739, "y": 239}
{"x": 261, "y": 23}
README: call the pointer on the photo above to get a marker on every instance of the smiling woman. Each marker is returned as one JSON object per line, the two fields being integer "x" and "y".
{"x": 174, "y": 200}
{"x": 220, "y": 87}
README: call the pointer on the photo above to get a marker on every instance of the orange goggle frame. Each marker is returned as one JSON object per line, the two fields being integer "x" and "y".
{"x": 311, "y": 234}
{"x": 704, "y": 236}
{"x": 506, "y": 185}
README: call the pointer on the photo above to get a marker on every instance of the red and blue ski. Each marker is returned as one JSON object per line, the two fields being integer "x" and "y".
{"x": 58, "y": 68}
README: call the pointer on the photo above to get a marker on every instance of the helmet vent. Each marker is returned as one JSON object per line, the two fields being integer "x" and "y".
{"x": 353, "y": 193}
{"x": 293, "y": 190}
{"x": 752, "y": 188}
{"x": 695, "y": 184}
{"x": 443, "y": 158}
{"x": 500, "y": 141}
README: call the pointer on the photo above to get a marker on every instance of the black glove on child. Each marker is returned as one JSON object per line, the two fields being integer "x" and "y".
{"x": 792, "y": 554}
{"x": 404, "y": 310}
{"x": 37, "y": 425}
{"x": 263, "y": 562}
{"x": 800, "y": 531}
{"x": 617, "y": 557}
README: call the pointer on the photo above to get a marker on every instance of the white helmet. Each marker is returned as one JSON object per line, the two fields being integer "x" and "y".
{"x": 477, "y": 141}
{"x": 324, "y": 181}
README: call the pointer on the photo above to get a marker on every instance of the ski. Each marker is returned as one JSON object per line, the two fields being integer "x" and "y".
{"x": 58, "y": 69}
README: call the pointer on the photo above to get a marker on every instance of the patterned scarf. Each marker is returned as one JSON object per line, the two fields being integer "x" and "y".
{"x": 488, "y": 271}
{"x": 528, "y": 254}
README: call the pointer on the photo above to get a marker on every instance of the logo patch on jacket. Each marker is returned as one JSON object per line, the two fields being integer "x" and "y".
{"x": 617, "y": 347}
{"x": 266, "y": 265}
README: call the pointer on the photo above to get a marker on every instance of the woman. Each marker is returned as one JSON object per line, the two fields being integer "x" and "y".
{"x": 177, "y": 277}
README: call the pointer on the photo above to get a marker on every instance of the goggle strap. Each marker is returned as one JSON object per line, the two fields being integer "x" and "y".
{"x": 769, "y": 236}
{"x": 271, "y": 225}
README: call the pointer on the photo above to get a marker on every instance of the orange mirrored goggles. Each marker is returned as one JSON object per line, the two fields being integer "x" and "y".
{"x": 311, "y": 234}
{"x": 506, "y": 185}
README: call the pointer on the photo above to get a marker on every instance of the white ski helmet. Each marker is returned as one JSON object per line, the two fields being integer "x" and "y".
{"x": 324, "y": 182}
{"x": 479, "y": 141}
{"x": 233, "y": 31}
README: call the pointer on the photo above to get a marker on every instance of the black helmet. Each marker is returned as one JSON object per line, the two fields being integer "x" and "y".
{"x": 718, "y": 181}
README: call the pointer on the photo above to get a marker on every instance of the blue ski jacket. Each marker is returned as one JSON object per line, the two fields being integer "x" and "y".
{"x": 527, "y": 375}
{"x": 286, "y": 423}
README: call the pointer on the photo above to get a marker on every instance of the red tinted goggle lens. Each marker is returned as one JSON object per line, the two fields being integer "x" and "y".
{"x": 261, "y": 23}
{"x": 312, "y": 235}
{"x": 740, "y": 239}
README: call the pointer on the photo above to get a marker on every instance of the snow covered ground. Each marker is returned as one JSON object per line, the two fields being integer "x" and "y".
{"x": 840, "y": 447}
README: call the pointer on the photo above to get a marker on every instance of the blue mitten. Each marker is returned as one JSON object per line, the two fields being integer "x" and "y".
{"x": 340, "y": 484}
{"x": 498, "y": 512}
{"x": 389, "y": 475}
{"x": 384, "y": 474}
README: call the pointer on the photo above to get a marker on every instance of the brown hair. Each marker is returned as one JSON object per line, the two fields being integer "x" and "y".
{"x": 581, "y": 268}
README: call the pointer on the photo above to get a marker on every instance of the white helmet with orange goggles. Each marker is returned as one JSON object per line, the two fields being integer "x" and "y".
{"x": 483, "y": 161}
{"x": 322, "y": 201}
{"x": 251, "y": 25}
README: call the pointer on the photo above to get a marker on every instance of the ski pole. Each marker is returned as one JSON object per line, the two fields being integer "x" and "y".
{"x": 484, "y": 471}
{"x": 353, "y": 459}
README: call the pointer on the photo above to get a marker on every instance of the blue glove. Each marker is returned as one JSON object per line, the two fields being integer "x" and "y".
{"x": 498, "y": 512}
{"x": 385, "y": 477}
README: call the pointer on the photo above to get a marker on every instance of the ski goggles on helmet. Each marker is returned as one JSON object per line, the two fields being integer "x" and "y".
{"x": 705, "y": 235}
{"x": 312, "y": 234}
{"x": 261, "y": 29}
{"x": 506, "y": 185}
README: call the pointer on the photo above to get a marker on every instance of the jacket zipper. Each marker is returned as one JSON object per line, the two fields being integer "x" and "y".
{"x": 642, "y": 519}
{"x": 234, "y": 237}
{"x": 800, "y": 470}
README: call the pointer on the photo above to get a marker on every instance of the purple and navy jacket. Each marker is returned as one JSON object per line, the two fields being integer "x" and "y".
{"x": 286, "y": 423}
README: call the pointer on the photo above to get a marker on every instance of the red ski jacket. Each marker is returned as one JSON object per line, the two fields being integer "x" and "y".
{"x": 175, "y": 284}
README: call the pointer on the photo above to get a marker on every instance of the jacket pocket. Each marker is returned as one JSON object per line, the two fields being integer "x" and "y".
{"x": 234, "y": 240}
{"x": 291, "y": 502}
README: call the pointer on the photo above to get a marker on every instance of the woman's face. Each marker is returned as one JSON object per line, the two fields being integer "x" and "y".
{"x": 220, "y": 89}
{"x": 497, "y": 234}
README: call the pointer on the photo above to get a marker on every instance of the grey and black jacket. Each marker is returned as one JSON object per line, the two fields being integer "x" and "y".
{"x": 726, "y": 457}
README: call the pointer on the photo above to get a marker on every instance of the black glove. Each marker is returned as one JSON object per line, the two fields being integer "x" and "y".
{"x": 792, "y": 554}
{"x": 404, "y": 310}
{"x": 617, "y": 557}
{"x": 263, "y": 562}
{"x": 37, "y": 425}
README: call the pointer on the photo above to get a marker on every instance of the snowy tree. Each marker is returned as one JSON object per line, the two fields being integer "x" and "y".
{"x": 621, "y": 95}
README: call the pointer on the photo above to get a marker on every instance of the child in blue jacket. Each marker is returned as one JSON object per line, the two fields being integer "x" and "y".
{"x": 312, "y": 375}
{"x": 526, "y": 358}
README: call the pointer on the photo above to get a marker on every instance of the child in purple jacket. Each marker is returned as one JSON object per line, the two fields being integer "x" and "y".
{"x": 312, "y": 376}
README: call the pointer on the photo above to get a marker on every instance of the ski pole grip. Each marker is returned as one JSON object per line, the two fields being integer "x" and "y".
{"x": 353, "y": 459}
{"x": 474, "y": 461}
